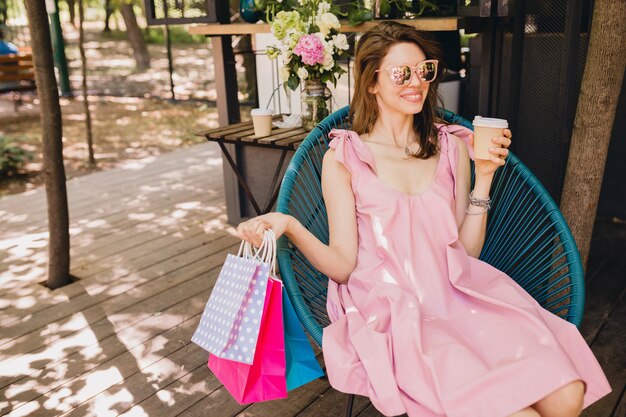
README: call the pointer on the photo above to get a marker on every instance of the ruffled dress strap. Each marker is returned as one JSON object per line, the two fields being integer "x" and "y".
{"x": 350, "y": 150}
{"x": 449, "y": 146}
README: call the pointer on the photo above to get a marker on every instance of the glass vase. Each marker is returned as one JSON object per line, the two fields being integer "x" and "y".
{"x": 316, "y": 103}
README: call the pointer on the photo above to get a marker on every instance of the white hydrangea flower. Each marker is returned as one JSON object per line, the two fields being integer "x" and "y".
{"x": 303, "y": 73}
{"x": 323, "y": 8}
{"x": 368, "y": 4}
{"x": 326, "y": 22}
{"x": 328, "y": 62}
{"x": 287, "y": 55}
{"x": 341, "y": 42}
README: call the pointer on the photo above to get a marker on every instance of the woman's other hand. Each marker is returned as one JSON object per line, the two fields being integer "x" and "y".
{"x": 499, "y": 151}
{"x": 252, "y": 230}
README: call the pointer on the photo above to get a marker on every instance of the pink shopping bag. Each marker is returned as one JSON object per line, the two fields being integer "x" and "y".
{"x": 265, "y": 378}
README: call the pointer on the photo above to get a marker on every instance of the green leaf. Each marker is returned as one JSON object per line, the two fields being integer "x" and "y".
{"x": 293, "y": 82}
{"x": 385, "y": 7}
{"x": 358, "y": 16}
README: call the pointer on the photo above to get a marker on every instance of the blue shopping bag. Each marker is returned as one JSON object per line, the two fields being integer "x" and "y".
{"x": 302, "y": 366}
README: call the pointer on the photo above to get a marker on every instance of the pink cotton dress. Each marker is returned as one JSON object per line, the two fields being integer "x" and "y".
{"x": 425, "y": 329}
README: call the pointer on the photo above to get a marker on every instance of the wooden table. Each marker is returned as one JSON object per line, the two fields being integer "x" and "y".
{"x": 282, "y": 139}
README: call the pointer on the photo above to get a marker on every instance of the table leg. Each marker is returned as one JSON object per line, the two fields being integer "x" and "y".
{"x": 240, "y": 178}
{"x": 275, "y": 183}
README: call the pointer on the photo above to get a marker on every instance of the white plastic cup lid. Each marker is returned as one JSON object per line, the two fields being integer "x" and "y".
{"x": 261, "y": 112}
{"x": 490, "y": 122}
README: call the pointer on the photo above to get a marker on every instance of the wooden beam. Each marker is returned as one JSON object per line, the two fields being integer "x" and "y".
{"x": 425, "y": 23}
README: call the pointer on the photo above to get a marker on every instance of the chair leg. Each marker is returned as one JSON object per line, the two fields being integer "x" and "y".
{"x": 350, "y": 404}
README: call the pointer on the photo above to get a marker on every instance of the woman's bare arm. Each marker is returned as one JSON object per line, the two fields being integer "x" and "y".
{"x": 336, "y": 260}
{"x": 472, "y": 228}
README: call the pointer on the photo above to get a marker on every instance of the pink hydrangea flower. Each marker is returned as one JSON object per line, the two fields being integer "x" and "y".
{"x": 311, "y": 49}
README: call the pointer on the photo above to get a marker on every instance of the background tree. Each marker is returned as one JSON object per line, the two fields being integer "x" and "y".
{"x": 4, "y": 12}
{"x": 52, "y": 146}
{"x": 135, "y": 36}
{"x": 108, "y": 11}
{"x": 71, "y": 6}
{"x": 83, "y": 59}
{"x": 597, "y": 103}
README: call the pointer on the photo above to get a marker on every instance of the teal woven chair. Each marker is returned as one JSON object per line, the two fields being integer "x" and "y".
{"x": 527, "y": 236}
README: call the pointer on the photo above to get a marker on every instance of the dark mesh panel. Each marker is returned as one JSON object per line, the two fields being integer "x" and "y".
{"x": 530, "y": 86}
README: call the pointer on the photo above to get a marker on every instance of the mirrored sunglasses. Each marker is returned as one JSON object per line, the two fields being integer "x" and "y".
{"x": 400, "y": 75}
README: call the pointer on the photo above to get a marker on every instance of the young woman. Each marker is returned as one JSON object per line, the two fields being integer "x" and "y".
{"x": 419, "y": 324}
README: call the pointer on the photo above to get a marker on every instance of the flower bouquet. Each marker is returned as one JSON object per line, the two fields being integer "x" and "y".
{"x": 310, "y": 45}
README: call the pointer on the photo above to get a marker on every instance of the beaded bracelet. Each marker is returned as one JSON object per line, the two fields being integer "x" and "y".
{"x": 485, "y": 209}
{"x": 485, "y": 203}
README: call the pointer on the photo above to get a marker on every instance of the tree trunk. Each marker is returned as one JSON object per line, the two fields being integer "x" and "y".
{"x": 52, "y": 146}
{"x": 3, "y": 12}
{"x": 71, "y": 5}
{"x": 108, "y": 11}
{"x": 135, "y": 37}
{"x": 83, "y": 60}
{"x": 601, "y": 84}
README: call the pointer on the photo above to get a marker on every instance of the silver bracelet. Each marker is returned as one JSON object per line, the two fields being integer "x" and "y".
{"x": 485, "y": 209}
{"x": 479, "y": 202}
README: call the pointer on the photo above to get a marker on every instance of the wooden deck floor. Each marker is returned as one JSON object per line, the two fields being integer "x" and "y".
{"x": 148, "y": 241}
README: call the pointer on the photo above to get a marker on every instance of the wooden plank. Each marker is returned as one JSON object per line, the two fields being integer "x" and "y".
{"x": 96, "y": 239}
{"x": 22, "y": 76}
{"x": 67, "y": 318}
{"x": 274, "y": 138}
{"x": 164, "y": 169}
{"x": 21, "y": 271}
{"x": 180, "y": 320}
{"x": 608, "y": 348}
{"x": 91, "y": 193}
{"x": 217, "y": 133}
{"x": 422, "y": 23}
{"x": 277, "y": 133}
{"x": 371, "y": 411}
{"x": 36, "y": 297}
{"x": 605, "y": 279}
{"x": 293, "y": 141}
{"x": 15, "y": 58}
{"x": 236, "y": 136}
{"x": 165, "y": 293}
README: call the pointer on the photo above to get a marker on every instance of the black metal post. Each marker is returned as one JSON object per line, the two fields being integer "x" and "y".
{"x": 168, "y": 46}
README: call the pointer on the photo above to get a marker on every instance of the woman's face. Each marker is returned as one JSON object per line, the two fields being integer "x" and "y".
{"x": 407, "y": 99}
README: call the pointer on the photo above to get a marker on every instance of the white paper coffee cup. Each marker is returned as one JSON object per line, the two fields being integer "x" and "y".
{"x": 486, "y": 128}
{"x": 262, "y": 121}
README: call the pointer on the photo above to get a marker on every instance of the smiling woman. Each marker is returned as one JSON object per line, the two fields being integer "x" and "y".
{"x": 418, "y": 323}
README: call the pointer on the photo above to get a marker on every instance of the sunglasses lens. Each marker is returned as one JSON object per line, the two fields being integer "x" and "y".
{"x": 426, "y": 71}
{"x": 400, "y": 74}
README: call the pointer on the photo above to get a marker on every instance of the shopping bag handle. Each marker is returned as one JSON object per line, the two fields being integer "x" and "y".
{"x": 267, "y": 250}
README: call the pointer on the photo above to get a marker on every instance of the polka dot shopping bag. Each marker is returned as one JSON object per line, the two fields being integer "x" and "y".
{"x": 229, "y": 327}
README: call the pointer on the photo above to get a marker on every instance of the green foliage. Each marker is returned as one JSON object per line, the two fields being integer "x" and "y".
{"x": 359, "y": 11}
{"x": 178, "y": 34}
{"x": 156, "y": 35}
{"x": 12, "y": 157}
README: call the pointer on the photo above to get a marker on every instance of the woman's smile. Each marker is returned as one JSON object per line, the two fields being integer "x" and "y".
{"x": 413, "y": 97}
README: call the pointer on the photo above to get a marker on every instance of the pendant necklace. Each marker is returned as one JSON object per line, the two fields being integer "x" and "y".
{"x": 407, "y": 150}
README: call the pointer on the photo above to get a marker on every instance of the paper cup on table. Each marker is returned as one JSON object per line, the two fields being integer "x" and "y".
{"x": 486, "y": 128}
{"x": 262, "y": 121}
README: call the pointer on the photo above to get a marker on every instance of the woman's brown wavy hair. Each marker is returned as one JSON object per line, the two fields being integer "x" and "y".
{"x": 371, "y": 49}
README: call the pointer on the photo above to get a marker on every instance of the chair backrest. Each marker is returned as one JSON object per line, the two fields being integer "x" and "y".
{"x": 527, "y": 237}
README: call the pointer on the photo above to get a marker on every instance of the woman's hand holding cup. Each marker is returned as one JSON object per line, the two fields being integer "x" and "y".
{"x": 490, "y": 150}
